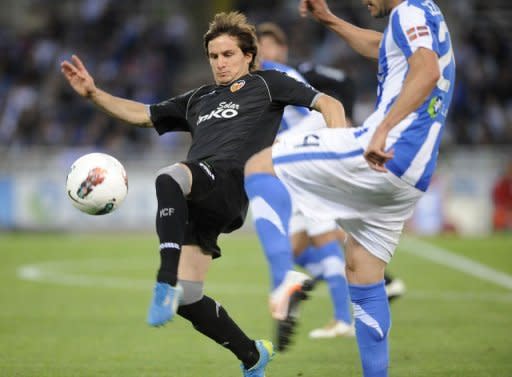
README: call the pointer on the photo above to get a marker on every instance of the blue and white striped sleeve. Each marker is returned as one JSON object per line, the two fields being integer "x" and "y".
{"x": 411, "y": 29}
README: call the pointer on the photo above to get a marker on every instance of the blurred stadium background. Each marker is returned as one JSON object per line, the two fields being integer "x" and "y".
{"x": 151, "y": 50}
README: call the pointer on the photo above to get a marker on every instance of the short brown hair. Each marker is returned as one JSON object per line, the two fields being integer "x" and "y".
{"x": 235, "y": 25}
{"x": 270, "y": 29}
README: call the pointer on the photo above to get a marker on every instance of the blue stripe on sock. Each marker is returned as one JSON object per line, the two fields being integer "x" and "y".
{"x": 337, "y": 283}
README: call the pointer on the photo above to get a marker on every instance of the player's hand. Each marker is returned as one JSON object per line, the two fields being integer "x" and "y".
{"x": 375, "y": 153}
{"x": 318, "y": 9}
{"x": 78, "y": 76}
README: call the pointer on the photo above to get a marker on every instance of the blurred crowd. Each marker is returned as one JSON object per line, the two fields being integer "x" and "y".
{"x": 152, "y": 50}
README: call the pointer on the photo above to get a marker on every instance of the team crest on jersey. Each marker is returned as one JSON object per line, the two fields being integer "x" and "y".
{"x": 236, "y": 86}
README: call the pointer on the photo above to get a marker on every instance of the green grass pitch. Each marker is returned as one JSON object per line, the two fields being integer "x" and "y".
{"x": 75, "y": 305}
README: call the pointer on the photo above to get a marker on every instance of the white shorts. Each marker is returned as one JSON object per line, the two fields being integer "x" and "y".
{"x": 328, "y": 178}
{"x": 312, "y": 227}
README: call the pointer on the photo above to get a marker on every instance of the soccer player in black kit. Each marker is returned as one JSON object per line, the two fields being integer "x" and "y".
{"x": 203, "y": 196}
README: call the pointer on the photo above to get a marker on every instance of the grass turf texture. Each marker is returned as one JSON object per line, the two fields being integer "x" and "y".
{"x": 83, "y": 313}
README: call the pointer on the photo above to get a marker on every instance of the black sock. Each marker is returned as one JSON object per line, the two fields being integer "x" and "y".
{"x": 210, "y": 319}
{"x": 171, "y": 218}
{"x": 387, "y": 278}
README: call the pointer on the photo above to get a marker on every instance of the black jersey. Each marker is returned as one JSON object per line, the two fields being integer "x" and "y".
{"x": 235, "y": 121}
{"x": 331, "y": 81}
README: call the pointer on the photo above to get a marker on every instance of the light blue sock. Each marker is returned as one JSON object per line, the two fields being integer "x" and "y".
{"x": 373, "y": 321}
{"x": 271, "y": 210}
{"x": 333, "y": 271}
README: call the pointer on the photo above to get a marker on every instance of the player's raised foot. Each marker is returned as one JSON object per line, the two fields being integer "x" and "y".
{"x": 284, "y": 305}
{"x": 395, "y": 288}
{"x": 165, "y": 303}
{"x": 334, "y": 329}
{"x": 266, "y": 350}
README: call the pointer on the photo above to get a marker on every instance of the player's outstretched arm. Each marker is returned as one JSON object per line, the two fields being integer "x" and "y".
{"x": 332, "y": 111}
{"x": 82, "y": 82}
{"x": 364, "y": 41}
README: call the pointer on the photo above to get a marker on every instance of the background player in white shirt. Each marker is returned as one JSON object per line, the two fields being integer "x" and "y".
{"x": 368, "y": 178}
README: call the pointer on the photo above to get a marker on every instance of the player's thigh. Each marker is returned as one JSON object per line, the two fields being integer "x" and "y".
{"x": 260, "y": 162}
{"x": 194, "y": 263}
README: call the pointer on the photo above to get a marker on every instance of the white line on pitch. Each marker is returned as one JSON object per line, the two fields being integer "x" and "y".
{"x": 60, "y": 272}
{"x": 456, "y": 262}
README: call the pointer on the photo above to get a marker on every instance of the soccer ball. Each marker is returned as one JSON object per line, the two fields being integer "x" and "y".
{"x": 97, "y": 183}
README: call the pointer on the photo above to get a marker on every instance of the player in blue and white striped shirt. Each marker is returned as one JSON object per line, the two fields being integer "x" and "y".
{"x": 368, "y": 178}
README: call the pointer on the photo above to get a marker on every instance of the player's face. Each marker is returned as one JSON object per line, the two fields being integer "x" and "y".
{"x": 269, "y": 49}
{"x": 227, "y": 60}
{"x": 379, "y": 8}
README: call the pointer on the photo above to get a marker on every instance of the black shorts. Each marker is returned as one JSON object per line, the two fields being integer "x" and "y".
{"x": 217, "y": 203}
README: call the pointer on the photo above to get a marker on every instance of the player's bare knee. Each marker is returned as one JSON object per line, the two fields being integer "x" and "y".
{"x": 180, "y": 174}
{"x": 260, "y": 162}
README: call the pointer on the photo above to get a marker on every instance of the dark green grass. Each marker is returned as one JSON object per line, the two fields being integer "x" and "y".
{"x": 90, "y": 321}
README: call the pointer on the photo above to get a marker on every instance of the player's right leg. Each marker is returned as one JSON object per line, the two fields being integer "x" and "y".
{"x": 323, "y": 258}
{"x": 332, "y": 264}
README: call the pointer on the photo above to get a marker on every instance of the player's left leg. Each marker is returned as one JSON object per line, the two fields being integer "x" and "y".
{"x": 321, "y": 255}
{"x": 211, "y": 319}
{"x": 365, "y": 273}
{"x": 172, "y": 184}
{"x": 331, "y": 263}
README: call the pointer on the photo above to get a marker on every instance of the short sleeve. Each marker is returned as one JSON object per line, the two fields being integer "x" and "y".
{"x": 411, "y": 29}
{"x": 289, "y": 91}
{"x": 171, "y": 115}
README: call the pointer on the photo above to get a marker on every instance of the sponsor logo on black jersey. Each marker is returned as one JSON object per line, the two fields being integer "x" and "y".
{"x": 225, "y": 110}
{"x": 236, "y": 86}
